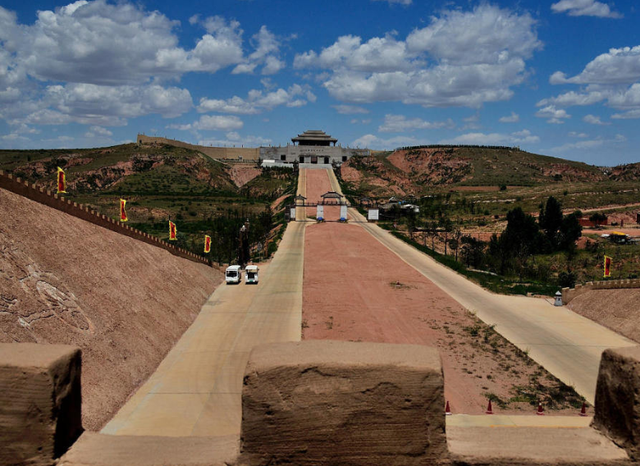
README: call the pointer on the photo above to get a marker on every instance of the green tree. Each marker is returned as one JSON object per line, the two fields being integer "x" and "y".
{"x": 551, "y": 219}
{"x": 570, "y": 231}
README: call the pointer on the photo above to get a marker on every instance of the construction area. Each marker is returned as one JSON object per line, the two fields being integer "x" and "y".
{"x": 353, "y": 349}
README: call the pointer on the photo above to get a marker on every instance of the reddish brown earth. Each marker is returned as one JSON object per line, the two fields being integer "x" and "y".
{"x": 318, "y": 184}
{"x": 241, "y": 174}
{"x": 124, "y": 302}
{"x": 615, "y": 309}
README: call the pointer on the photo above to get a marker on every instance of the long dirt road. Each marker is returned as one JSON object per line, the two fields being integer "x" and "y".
{"x": 566, "y": 344}
{"x": 196, "y": 390}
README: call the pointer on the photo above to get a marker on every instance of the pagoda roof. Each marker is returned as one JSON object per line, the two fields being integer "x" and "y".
{"x": 314, "y": 135}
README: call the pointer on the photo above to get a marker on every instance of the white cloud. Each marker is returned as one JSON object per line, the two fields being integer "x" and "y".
{"x": 259, "y": 100}
{"x": 267, "y": 52}
{"x": 400, "y": 123}
{"x": 553, "y": 114}
{"x": 585, "y": 8}
{"x": 234, "y": 139}
{"x": 350, "y": 109}
{"x": 572, "y": 98}
{"x": 494, "y": 139}
{"x": 594, "y": 120}
{"x": 460, "y": 59}
{"x": 211, "y": 123}
{"x": 513, "y": 118}
{"x": 98, "y": 132}
{"x": 574, "y": 134}
{"x": 618, "y": 66}
{"x": 356, "y": 121}
{"x": 589, "y": 144}
{"x": 631, "y": 114}
{"x": 399, "y": 2}
{"x": 372, "y": 141}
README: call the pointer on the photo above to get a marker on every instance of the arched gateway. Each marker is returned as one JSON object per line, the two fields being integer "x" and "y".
{"x": 330, "y": 198}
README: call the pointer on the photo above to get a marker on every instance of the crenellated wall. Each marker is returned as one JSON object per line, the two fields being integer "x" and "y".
{"x": 31, "y": 191}
{"x": 569, "y": 293}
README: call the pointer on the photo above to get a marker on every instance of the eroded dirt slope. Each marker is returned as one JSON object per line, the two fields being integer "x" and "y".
{"x": 125, "y": 303}
{"x": 618, "y": 310}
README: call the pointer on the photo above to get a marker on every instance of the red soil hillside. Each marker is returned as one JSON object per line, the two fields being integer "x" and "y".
{"x": 124, "y": 302}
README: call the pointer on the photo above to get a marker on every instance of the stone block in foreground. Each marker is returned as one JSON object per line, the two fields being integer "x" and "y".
{"x": 40, "y": 412}
{"x": 93, "y": 449}
{"x": 333, "y": 402}
{"x": 617, "y": 407}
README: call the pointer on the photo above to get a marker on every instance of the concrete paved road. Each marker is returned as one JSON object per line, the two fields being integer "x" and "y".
{"x": 563, "y": 342}
{"x": 196, "y": 390}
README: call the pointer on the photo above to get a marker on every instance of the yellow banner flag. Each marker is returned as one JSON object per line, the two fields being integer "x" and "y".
{"x": 607, "y": 266}
{"x": 207, "y": 244}
{"x": 62, "y": 181}
{"x": 173, "y": 231}
{"x": 123, "y": 210}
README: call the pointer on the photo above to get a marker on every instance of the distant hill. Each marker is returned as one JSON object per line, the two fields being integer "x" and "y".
{"x": 412, "y": 170}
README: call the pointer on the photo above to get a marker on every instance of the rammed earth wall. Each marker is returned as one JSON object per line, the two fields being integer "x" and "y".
{"x": 31, "y": 191}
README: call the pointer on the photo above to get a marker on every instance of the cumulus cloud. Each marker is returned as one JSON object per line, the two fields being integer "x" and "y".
{"x": 399, "y": 2}
{"x": 267, "y": 52}
{"x": 350, "y": 109}
{"x": 585, "y": 8}
{"x": 258, "y": 101}
{"x": 553, "y": 114}
{"x": 400, "y": 124}
{"x": 611, "y": 78}
{"x": 513, "y": 118}
{"x": 594, "y": 120}
{"x": 617, "y": 66}
{"x": 372, "y": 141}
{"x": 211, "y": 123}
{"x": 98, "y": 132}
{"x": 493, "y": 139}
{"x": 589, "y": 144}
{"x": 233, "y": 138}
{"x": 460, "y": 59}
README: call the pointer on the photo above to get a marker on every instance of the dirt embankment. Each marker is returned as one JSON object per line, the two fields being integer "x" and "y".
{"x": 618, "y": 310}
{"x": 124, "y": 302}
{"x": 241, "y": 174}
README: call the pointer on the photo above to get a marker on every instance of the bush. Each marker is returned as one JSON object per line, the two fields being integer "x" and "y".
{"x": 567, "y": 279}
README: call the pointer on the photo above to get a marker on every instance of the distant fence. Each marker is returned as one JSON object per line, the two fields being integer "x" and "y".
{"x": 31, "y": 191}
{"x": 569, "y": 293}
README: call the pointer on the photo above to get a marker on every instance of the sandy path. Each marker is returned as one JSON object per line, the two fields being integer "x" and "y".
{"x": 318, "y": 184}
{"x": 356, "y": 289}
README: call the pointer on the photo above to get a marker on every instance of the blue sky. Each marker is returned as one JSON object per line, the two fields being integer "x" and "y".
{"x": 557, "y": 78}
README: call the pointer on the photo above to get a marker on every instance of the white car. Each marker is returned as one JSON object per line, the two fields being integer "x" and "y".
{"x": 233, "y": 274}
{"x": 251, "y": 274}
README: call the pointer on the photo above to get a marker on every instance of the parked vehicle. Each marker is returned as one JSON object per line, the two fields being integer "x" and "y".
{"x": 251, "y": 274}
{"x": 233, "y": 274}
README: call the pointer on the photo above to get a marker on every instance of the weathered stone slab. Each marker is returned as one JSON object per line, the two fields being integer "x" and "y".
{"x": 40, "y": 412}
{"x": 331, "y": 402}
{"x": 617, "y": 407}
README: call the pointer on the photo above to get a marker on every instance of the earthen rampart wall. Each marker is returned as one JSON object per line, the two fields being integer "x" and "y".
{"x": 570, "y": 293}
{"x": 223, "y": 153}
{"x": 31, "y": 191}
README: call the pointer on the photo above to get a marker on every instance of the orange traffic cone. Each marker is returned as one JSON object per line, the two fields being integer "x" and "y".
{"x": 489, "y": 408}
{"x": 447, "y": 410}
{"x": 583, "y": 411}
{"x": 540, "y": 411}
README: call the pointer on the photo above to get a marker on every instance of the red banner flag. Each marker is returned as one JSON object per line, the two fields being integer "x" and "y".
{"x": 62, "y": 181}
{"x": 173, "y": 231}
{"x": 207, "y": 244}
{"x": 123, "y": 210}
{"x": 607, "y": 266}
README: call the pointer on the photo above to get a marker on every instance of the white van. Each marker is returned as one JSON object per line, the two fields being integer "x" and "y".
{"x": 233, "y": 274}
{"x": 251, "y": 274}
